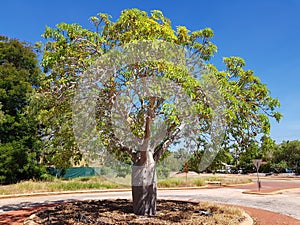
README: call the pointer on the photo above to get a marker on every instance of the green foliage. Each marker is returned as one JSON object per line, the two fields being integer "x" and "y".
{"x": 287, "y": 156}
{"x": 1, "y": 114}
{"x": 19, "y": 145}
{"x": 17, "y": 163}
{"x": 174, "y": 161}
{"x": 249, "y": 105}
{"x": 245, "y": 158}
{"x": 47, "y": 177}
{"x": 278, "y": 157}
{"x": 279, "y": 167}
{"x": 70, "y": 49}
{"x": 173, "y": 182}
{"x": 104, "y": 170}
{"x": 123, "y": 170}
{"x": 163, "y": 172}
{"x": 199, "y": 182}
{"x": 263, "y": 150}
{"x": 223, "y": 156}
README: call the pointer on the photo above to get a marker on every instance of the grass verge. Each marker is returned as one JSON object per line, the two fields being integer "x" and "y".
{"x": 84, "y": 183}
{"x": 97, "y": 182}
{"x": 198, "y": 181}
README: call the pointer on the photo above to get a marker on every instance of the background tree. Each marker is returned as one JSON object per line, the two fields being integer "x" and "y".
{"x": 175, "y": 160}
{"x": 245, "y": 158}
{"x": 248, "y": 109}
{"x": 223, "y": 157}
{"x": 70, "y": 50}
{"x": 19, "y": 76}
{"x": 287, "y": 156}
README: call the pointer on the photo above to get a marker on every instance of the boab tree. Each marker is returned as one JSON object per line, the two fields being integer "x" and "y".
{"x": 136, "y": 86}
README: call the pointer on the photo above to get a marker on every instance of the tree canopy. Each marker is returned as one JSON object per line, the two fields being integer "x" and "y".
{"x": 286, "y": 156}
{"x": 19, "y": 76}
{"x": 71, "y": 49}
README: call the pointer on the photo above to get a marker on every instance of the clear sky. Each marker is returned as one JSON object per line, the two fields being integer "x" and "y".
{"x": 266, "y": 33}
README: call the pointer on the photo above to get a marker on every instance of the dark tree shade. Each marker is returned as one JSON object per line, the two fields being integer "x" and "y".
{"x": 19, "y": 75}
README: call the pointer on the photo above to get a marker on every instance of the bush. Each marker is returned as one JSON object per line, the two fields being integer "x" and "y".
{"x": 199, "y": 182}
{"x": 17, "y": 164}
{"x": 104, "y": 170}
{"x": 47, "y": 177}
{"x": 123, "y": 170}
{"x": 279, "y": 167}
{"x": 171, "y": 183}
{"x": 162, "y": 172}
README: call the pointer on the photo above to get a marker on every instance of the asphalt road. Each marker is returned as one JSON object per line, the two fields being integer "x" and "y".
{"x": 287, "y": 203}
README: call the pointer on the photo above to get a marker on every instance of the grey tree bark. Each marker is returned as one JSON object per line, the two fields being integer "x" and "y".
{"x": 144, "y": 184}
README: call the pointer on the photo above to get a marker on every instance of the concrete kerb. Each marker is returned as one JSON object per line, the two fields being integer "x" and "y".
{"x": 129, "y": 189}
{"x": 61, "y": 193}
{"x": 248, "y": 219}
{"x": 279, "y": 178}
{"x": 272, "y": 192}
{"x": 262, "y": 193}
{"x": 96, "y": 191}
{"x": 237, "y": 185}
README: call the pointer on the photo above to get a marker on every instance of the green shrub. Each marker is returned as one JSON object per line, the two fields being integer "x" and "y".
{"x": 104, "y": 170}
{"x": 47, "y": 177}
{"x": 162, "y": 172}
{"x": 171, "y": 183}
{"x": 199, "y": 182}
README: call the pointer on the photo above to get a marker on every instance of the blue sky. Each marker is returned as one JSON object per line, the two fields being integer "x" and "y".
{"x": 266, "y": 33}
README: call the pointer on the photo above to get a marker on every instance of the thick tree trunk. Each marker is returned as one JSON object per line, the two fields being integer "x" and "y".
{"x": 144, "y": 182}
{"x": 144, "y": 186}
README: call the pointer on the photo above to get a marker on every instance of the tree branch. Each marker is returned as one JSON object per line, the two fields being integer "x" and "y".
{"x": 159, "y": 151}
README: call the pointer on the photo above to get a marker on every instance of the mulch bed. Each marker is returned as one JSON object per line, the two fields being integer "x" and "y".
{"x": 260, "y": 217}
{"x": 119, "y": 212}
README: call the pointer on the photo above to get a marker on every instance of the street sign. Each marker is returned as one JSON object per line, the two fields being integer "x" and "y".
{"x": 257, "y": 163}
{"x": 186, "y": 167}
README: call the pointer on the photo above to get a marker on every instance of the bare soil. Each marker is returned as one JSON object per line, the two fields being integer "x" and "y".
{"x": 117, "y": 212}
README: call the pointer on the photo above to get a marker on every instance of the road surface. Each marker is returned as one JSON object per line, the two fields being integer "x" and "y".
{"x": 287, "y": 203}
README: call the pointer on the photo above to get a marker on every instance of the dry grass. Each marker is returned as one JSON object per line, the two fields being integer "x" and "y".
{"x": 236, "y": 180}
{"x": 197, "y": 181}
{"x": 97, "y": 182}
{"x": 85, "y": 183}
{"x": 222, "y": 214}
{"x": 180, "y": 182}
